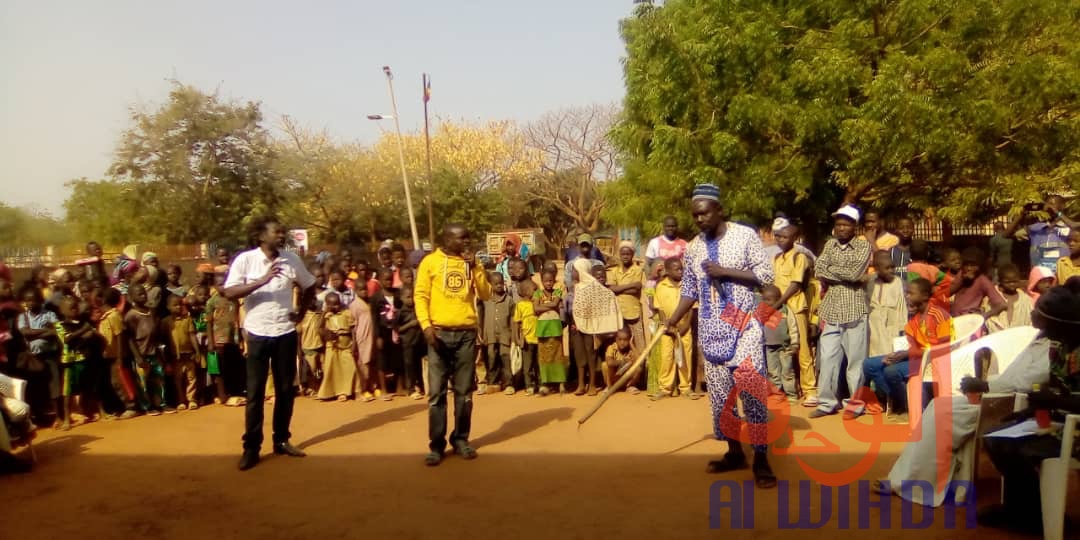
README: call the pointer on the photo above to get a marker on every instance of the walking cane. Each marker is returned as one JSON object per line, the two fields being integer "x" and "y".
{"x": 624, "y": 379}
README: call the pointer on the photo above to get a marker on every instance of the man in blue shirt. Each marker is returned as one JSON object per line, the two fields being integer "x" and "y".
{"x": 1048, "y": 231}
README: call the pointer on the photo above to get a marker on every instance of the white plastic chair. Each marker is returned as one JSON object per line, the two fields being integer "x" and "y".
{"x": 964, "y": 329}
{"x": 1006, "y": 346}
{"x": 1054, "y": 482}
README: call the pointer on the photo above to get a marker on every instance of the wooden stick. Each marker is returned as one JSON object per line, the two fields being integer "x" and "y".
{"x": 624, "y": 379}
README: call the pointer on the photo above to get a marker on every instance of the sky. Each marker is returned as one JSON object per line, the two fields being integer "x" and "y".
{"x": 70, "y": 71}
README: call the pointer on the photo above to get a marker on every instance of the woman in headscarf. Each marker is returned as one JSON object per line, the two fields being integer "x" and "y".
{"x": 595, "y": 314}
{"x": 513, "y": 249}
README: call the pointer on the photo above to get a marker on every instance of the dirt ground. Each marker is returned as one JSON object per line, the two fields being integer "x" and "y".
{"x": 634, "y": 471}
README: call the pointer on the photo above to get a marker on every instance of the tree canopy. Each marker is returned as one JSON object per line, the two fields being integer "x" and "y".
{"x": 198, "y": 167}
{"x": 967, "y": 106}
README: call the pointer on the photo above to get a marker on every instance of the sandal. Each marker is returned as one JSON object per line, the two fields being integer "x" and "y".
{"x": 544, "y": 391}
{"x": 580, "y": 391}
{"x": 466, "y": 452}
{"x": 593, "y": 391}
{"x": 731, "y": 462}
{"x": 529, "y": 392}
{"x": 633, "y": 391}
{"x": 433, "y": 459}
{"x": 509, "y": 391}
{"x": 811, "y": 402}
{"x": 367, "y": 397}
{"x": 874, "y": 409}
{"x": 763, "y": 476}
{"x": 387, "y": 397}
{"x": 417, "y": 395}
{"x": 342, "y": 398}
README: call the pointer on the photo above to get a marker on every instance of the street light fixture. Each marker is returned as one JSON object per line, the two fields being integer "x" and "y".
{"x": 401, "y": 153}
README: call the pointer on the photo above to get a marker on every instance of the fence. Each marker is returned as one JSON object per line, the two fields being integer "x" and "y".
{"x": 69, "y": 255}
{"x": 934, "y": 231}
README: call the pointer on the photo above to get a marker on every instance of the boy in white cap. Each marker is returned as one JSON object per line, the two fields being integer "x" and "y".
{"x": 843, "y": 311}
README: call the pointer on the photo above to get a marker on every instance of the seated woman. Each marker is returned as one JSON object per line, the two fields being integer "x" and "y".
{"x": 919, "y": 459}
{"x": 1018, "y": 460}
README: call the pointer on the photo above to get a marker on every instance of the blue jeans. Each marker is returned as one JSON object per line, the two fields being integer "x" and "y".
{"x": 837, "y": 342}
{"x": 890, "y": 382}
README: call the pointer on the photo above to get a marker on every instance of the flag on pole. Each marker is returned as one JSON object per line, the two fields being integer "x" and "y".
{"x": 427, "y": 88}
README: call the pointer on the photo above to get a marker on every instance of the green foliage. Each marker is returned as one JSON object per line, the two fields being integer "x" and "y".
{"x": 457, "y": 198}
{"x": 22, "y": 227}
{"x": 200, "y": 168}
{"x": 109, "y": 211}
{"x": 967, "y": 106}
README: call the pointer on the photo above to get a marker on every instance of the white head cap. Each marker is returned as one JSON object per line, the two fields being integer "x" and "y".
{"x": 849, "y": 212}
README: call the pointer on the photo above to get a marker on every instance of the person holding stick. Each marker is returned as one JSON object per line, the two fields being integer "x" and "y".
{"x": 723, "y": 265}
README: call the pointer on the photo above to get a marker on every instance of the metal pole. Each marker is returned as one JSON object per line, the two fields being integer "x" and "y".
{"x": 430, "y": 180}
{"x": 401, "y": 157}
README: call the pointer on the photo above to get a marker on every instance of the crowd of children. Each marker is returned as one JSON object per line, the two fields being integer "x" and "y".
{"x": 97, "y": 344}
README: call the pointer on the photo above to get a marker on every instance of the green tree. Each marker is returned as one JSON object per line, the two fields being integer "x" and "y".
{"x": 30, "y": 228}
{"x": 203, "y": 166}
{"x": 968, "y": 106}
{"x": 108, "y": 211}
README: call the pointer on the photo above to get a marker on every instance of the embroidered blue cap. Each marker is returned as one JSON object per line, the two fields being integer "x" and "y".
{"x": 707, "y": 192}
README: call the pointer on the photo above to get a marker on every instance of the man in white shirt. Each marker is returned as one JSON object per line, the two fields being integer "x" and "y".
{"x": 665, "y": 246}
{"x": 264, "y": 277}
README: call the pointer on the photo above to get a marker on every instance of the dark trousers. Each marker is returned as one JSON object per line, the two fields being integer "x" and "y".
{"x": 234, "y": 369}
{"x": 528, "y": 354}
{"x": 1018, "y": 462}
{"x": 453, "y": 360}
{"x": 412, "y": 353}
{"x": 498, "y": 365}
{"x": 266, "y": 354}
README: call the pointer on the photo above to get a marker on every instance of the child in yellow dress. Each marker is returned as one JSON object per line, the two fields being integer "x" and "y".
{"x": 311, "y": 349}
{"x": 339, "y": 366}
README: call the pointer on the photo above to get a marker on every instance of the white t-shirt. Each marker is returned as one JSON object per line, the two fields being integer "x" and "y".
{"x": 267, "y": 308}
{"x": 661, "y": 248}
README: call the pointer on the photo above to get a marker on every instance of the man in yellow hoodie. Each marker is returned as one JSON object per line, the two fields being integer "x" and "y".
{"x": 448, "y": 283}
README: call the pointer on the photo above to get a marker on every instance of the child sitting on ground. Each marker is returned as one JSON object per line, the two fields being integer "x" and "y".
{"x": 339, "y": 366}
{"x": 781, "y": 343}
{"x": 619, "y": 358}
{"x": 524, "y": 332}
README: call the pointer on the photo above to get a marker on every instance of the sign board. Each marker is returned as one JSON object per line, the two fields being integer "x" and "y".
{"x": 299, "y": 238}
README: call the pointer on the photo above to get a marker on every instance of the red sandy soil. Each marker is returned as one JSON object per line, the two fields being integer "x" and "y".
{"x": 635, "y": 470}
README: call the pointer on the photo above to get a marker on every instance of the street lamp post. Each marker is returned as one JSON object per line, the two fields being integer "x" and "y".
{"x": 401, "y": 155}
